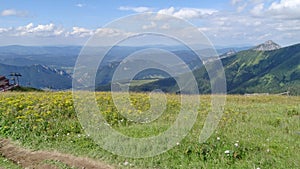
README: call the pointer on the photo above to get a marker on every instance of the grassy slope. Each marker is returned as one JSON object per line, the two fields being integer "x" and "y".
{"x": 273, "y": 72}
{"x": 249, "y": 72}
{"x": 266, "y": 129}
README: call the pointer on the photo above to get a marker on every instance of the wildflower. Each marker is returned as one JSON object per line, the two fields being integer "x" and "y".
{"x": 227, "y": 152}
{"x": 236, "y": 144}
{"x": 177, "y": 143}
{"x": 126, "y": 163}
{"x": 218, "y": 138}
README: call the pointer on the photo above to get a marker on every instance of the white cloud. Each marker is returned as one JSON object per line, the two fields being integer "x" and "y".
{"x": 80, "y": 32}
{"x": 13, "y": 12}
{"x": 48, "y": 30}
{"x": 167, "y": 11}
{"x": 135, "y": 9}
{"x": 257, "y": 10}
{"x": 51, "y": 30}
{"x": 80, "y": 5}
{"x": 240, "y": 8}
{"x": 4, "y": 30}
{"x": 110, "y": 32}
{"x": 150, "y": 26}
{"x": 285, "y": 4}
{"x": 187, "y": 13}
{"x": 245, "y": 5}
{"x": 31, "y": 30}
{"x": 285, "y": 9}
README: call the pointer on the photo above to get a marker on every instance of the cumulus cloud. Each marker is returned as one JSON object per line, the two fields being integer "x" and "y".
{"x": 258, "y": 9}
{"x": 135, "y": 9}
{"x": 47, "y": 30}
{"x": 285, "y": 9}
{"x": 278, "y": 9}
{"x": 109, "y": 32}
{"x": 13, "y": 12}
{"x": 167, "y": 11}
{"x": 51, "y": 30}
{"x": 247, "y": 28}
{"x": 80, "y": 32}
{"x": 187, "y": 13}
{"x": 285, "y": 4}
{"x": 39, "y": 30}
{"x": 4, "y": 30}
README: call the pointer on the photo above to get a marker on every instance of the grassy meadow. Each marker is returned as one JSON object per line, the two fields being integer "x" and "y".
{"x": 254, "y": 131}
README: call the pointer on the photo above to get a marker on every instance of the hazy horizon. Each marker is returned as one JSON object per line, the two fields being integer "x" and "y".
{"x": 225, "y": 22}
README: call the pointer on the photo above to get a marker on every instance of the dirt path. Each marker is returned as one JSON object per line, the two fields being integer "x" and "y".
{"x": 37, "y": 159}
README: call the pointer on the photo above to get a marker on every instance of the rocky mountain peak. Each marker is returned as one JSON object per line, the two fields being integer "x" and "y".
{"x": 230, "y": 52}
{"x": 267, "y": 46}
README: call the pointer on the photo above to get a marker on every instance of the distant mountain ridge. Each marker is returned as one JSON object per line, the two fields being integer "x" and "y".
{"x": 249, "y": 71}
{"x": 39, "y": 76}
{"x": 267, "y": 68}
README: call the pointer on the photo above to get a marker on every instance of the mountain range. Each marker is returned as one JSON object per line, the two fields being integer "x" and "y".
{"x": 266, "y": 68}
{"x": 271, "y": 69}
{"x": 40, "y": 66}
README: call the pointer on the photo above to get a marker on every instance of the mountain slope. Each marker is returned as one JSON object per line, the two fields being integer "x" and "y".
{"x": 249, "y": 71}
{"x": 276, "y": 71}
{"x": 39, "y": 76}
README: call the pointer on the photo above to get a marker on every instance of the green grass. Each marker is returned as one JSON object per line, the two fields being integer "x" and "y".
{"x": 141, "y": 82}
{"x": 57, "y": 164}
{"x": 258, "y": 131}
{"x": 5, "y": 163}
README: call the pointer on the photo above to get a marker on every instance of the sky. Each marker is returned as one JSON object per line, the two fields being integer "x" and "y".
{"x": 224, "y": 22}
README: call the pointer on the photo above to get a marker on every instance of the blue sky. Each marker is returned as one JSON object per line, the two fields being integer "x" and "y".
{"x": 225, "y": 22}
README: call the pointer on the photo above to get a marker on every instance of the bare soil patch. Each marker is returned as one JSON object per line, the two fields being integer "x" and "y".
{"x": 38, "y": 159}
